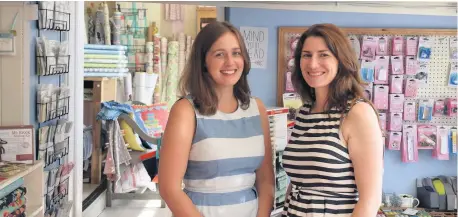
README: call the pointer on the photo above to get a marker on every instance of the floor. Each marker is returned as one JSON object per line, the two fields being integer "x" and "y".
{"x": 136, "y": 209}
{"x": 88, "y": 189}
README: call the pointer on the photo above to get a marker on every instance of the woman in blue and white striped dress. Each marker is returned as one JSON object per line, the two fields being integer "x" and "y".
{"x": 217, "y": 139}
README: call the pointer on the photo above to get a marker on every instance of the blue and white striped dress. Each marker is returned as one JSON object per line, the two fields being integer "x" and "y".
{"x": 226, "y": 151}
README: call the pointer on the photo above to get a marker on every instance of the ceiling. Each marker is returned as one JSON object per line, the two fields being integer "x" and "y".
{"x": 438, "y": 8}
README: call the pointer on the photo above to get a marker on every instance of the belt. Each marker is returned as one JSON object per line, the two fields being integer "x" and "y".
{"x": 297, "y": 190}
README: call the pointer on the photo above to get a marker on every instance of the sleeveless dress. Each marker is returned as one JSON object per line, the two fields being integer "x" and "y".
{"x": 319, "y": 166}
{"x": 226, "y": 151}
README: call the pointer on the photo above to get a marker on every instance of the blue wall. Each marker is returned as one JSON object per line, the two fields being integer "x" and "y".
{"x": 34, "y": 78}
{"x": 398, "y": 177}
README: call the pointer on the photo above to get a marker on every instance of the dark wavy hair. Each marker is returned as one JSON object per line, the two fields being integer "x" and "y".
{"x": 347, "y": 84}
{"x": 196, "y": 80}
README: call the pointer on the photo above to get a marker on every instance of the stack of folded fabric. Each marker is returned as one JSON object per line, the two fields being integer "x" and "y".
{"x": 105, "y": 60}
{"x": 13, "y": 200}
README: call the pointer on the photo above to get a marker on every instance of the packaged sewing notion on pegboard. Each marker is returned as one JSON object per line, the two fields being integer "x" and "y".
{"x": 278, "y": 123}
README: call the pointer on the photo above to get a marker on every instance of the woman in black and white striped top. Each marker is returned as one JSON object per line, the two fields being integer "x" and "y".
{"x": 335, "y": 155}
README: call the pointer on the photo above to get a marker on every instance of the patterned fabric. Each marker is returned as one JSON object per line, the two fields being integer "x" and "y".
{"x": 12, "y": 197}
{"x": 171, "y": 81}
{"x": 117, "y": 152}
{"x": 106, "y": 52}
{"x": 157, "y": 68}
{"x": 105, "y": 56}
{"x": 226, "y": 151}
{"x": 319, "y": 165}
{"x": 111, "y": 110}
{"x": 11, "y": 207}
{"x": 163, "y": 79}
{"x": 104, "y": 65}
{"x": 105, "y": 47}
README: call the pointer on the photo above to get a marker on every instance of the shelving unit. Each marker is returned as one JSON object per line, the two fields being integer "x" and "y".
{"x": 33, "y": 177}
{"x": 103, "y": 89}
{"x": 51, "y": 113}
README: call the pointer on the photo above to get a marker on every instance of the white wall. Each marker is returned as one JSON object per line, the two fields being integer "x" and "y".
{"x": 15, "y": 70}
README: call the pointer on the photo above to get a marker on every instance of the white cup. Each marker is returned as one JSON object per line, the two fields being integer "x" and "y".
{"x": 408, "y": 201}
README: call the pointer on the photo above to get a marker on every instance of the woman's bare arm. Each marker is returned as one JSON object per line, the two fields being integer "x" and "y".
{"x": 364, "y": 140}
{"x": 173, "y": 161}
{"x": 265, "y": 174}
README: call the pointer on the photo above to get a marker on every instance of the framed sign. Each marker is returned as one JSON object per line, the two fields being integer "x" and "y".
{"x": 205, "y": 21}
{"x": 205, "y": 15}
{"x": 17, "y": 144}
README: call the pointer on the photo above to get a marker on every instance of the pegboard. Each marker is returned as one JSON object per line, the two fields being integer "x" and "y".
{"x": 438, "y": 66}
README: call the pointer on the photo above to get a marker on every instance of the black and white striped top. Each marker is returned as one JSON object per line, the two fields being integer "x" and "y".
{"x": 319, "y": 166}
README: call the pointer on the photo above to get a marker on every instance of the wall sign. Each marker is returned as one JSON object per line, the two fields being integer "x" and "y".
{"x": 256, "y": 39}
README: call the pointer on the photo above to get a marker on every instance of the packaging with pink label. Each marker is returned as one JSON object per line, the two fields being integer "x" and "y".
{"x": 396, "y": 83}
{"x": 381, "y": 69}
{"x": 410, "y": 111}
{"x": 411, "y": 88}
{"x": 427, "y": 136}
{"x": 382, "y": 48}
{"x": 381, "y": 97}
{"x": 395, "y": 121}
{"x": 396, "y": 102}
{"x": 411, "y": 65}
{"x": 398, "y": 46}
{"x": 394, "y": 141}
{"x": 441, "y": 151}
{"x": 411, "y": 46}
{"x": 397, "y": 65}
{"x": 439, "y": 108}
{"x": 368, "y": 48}
{"x": 382, "y": 120}
{"x": 451, "y": 107}
{"x": 409, "y": 147}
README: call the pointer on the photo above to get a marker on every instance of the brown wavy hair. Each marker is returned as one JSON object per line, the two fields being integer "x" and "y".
{"x": 347, "y": 85}
{"x": 197, "y": 82}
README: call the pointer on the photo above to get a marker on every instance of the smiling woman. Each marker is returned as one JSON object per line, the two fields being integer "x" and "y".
{"x": 223, "y": 151}
{"x": 334, "y": 156}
